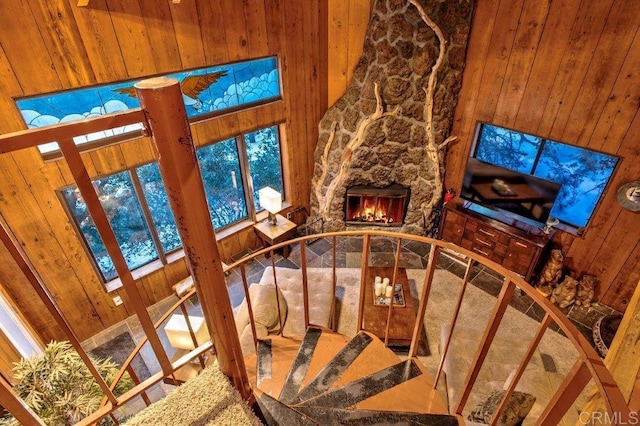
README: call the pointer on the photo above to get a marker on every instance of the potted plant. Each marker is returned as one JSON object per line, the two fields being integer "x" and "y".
{"x": 58, "y": 386}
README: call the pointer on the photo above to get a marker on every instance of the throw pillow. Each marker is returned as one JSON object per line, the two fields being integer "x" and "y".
{"x": 517, "y": 408}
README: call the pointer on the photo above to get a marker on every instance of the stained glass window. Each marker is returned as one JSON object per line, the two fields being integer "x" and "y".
{"x": 205, "y": 91}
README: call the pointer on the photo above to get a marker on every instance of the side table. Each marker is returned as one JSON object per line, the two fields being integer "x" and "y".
{"x": 271, "y": 234}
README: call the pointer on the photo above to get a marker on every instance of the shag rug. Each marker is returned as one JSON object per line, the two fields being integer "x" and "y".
{"x": 207, "y": 399}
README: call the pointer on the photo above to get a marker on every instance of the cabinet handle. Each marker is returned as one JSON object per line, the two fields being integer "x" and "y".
{"x": 480, "y": 251}
{"x": 483, "y": 242}
{"x": 520, "y": 244}
{"x": 486, "y": 232}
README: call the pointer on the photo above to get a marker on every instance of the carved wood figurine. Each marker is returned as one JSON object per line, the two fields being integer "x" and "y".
{"x": 565, "y": 293}
{"x": 551, "y": 273}
{"x": 586, "y": 290}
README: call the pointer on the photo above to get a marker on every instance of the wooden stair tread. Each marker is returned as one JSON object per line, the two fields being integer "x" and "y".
{"x": 415, "y": 395}
{"x": 357, "y": 380}
{"x": 375, "y": 357}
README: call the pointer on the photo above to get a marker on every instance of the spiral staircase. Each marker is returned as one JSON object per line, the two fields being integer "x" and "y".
{"x": 327, "y": 378}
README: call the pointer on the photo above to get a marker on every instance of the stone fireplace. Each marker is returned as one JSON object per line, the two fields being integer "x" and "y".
{"x": 368, "y": 205}
{"x": 392, "y": 125}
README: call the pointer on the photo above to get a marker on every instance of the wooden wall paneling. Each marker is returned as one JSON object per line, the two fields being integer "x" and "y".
{"x": 256, "y": 27}
{"x": 612, "y": 48}
{"x": 621, "y": 105}
{"x": 586, "y": 250}
{"x": 274, "y": 17}
{"x": 74, "y": 261}
{"x": 483, "y": 24}
{"x": 523, "y": 53}
{"x": 295, "y": 53}
{"x": 231, "y": 245}
{"x": 161, "y": 34}
{"x": 205, "y": 132}
{"x": 133, "y": 42}
{"x": 323, "y": 60}
{"x": 247, "y": 120}
{"x": 154, "y": 287}
{"x": 106, "y": 160}
{"x": 212, "y": 32}
{"x": 575, "y": 62}
{"x": 25, "y": 298}
{"x": 8, "y": 355}
{"x": 63, "y": 42}
{"x": 313, "y": 114}
{"x": 23, "y": 192}
{"x": 18, "y": 313}
{"x": 338, "y": 33}
{"x": 10, "y": 119}
{"x": 620, "y": 239}
{"x": 100, "y": 40}
{"x": 22, "y": 43}
{"x": 138, "y": 151}
{"x": 187, "y": 32}
{"x": 495, "y": 68}
{"x": 176, "y": 271}
{"x": 237, "y": 40}
{"x": 560, "y": 21}
{"x": 619, "y": 293}
{"x": 359, "y": 15}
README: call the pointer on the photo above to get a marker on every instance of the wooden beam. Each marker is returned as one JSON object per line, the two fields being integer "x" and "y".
{"x": 161, "y": 101}
{"x": 12, "y": 402}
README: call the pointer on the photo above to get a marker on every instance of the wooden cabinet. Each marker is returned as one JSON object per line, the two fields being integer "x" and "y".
{"x": 511, "y": 247}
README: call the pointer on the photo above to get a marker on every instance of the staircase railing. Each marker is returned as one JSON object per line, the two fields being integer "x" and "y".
{"x": 588, "y": 366}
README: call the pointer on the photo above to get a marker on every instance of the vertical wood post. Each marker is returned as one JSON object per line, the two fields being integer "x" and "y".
{"x": 163, "y": 107}
{"x": 16, "y": 406}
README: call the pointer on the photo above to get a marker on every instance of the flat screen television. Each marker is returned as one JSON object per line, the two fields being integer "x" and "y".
{"x": 517, "y": 195}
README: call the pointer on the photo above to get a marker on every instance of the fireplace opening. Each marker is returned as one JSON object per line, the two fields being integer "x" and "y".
{"x": 368, "y": 205}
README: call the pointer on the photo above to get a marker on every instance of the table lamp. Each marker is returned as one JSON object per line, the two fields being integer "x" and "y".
{"x": 271, "y": 201}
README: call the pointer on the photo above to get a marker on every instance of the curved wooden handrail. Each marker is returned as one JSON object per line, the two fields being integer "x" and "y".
{"x": 587, "y": 367}
{"x": 589, "y": 364}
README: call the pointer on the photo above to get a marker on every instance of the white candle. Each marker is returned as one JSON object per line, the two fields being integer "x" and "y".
{"x": 385, "y": 281}
{"x": 389, "y": 291}
{"x": 378, "y": 289}
{"x": 378, "y": 280}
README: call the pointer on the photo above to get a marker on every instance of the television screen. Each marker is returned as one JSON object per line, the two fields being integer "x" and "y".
{"x": 583, "y": 173}
{"x": 508, "y": 191}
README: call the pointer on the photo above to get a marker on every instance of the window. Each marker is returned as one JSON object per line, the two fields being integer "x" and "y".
{"x": 582, "y": 173}
{"x": 206, "y": 91}
{"x": 137, "y": 205}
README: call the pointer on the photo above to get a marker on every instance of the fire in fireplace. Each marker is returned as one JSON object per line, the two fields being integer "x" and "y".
{"x": 367, "y": 205}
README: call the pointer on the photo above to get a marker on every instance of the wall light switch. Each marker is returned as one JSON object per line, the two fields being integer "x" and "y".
{"x": 117, "y": 300}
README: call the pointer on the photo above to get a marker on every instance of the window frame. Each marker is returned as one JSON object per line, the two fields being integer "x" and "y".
{"x": 166, "y": 257}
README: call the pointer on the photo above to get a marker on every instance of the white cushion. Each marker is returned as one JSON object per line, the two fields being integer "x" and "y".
{"x": 320, "y": 290}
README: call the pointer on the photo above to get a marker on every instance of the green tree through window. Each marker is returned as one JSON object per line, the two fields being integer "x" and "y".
{"x": 137, "y": 205}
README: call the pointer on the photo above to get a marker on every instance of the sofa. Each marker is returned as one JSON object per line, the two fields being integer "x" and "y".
{"x": 499, "y": 368}
{"x": 291, "y": 303}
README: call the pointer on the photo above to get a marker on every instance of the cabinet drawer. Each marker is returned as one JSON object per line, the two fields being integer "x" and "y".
{"x": 488, "y": 233}
{"x": 519, "y": 255}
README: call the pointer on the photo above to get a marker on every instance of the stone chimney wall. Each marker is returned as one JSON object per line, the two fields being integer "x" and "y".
{"x": 398, "y": 54}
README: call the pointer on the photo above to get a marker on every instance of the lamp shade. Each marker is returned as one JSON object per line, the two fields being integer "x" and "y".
{"x": 270, "y": 199}
{"x": 178, "y": 331}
